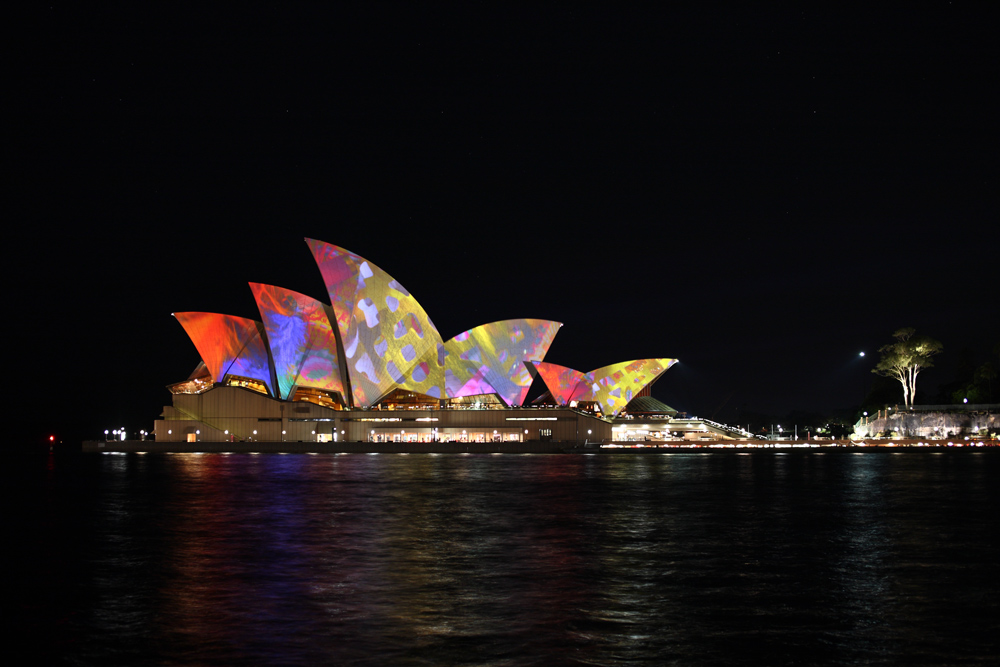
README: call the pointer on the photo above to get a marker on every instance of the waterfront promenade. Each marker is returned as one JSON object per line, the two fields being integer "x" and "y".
{"x": 529, "y": 447}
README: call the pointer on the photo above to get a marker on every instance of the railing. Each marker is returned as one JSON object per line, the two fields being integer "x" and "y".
{"x": 954, "y": 407}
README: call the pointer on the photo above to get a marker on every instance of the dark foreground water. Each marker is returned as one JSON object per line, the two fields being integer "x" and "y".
{"x": 689, "y": 559}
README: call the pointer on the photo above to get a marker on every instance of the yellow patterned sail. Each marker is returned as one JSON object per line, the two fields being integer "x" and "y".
{"x": 612, "y": 387}
{"x": 389, "y": 341}
{"x": 491, "y": 358}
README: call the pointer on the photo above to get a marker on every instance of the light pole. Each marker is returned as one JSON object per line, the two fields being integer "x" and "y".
{"x": 864, "y": 382}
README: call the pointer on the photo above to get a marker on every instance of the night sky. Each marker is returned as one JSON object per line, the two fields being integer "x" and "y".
{"x": 761, "y": 194}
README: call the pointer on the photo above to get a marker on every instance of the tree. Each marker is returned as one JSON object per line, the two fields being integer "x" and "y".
{"x": 981, "y": 388}
{"x": 989, "y": 373}
{"x": 904, "y": 359}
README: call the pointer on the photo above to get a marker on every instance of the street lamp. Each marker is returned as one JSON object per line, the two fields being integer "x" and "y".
{"x": 864, "y": 381}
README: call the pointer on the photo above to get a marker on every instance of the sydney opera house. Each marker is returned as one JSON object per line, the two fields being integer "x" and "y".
{"x": 371, "y": 366}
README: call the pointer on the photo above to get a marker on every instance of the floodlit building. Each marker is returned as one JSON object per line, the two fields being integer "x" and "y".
{"x": 371, "y": 366}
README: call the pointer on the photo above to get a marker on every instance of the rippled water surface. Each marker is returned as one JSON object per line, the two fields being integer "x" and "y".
{"x": 690, "y": 559}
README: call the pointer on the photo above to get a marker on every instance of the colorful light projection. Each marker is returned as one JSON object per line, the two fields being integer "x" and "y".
{"x": 490, "y": 358}
{"x": 390, "y": 344}
{"x": 302, "y": 340}
{"x": 229, "y": 345}
{"x": 612, "y": 387}
{"x": 562, "y": 382}
{"x": 389, "y": 341}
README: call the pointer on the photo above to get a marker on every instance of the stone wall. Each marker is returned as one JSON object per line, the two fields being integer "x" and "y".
{"x": 939, "y": 424}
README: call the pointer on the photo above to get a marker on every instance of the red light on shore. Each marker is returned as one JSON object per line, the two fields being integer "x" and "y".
{"x": 52, "y": 438}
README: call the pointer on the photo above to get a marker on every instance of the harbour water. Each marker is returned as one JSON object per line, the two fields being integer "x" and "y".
{"x": 688, "y": 558}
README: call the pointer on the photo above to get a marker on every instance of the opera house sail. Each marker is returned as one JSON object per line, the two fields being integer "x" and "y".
{"x": 389, "y": 341}
{"x": 610, "y": 387}
{"x": 229, "y": 346}
{"x": 492, "y": 358}
{"x": 302, "y": 340}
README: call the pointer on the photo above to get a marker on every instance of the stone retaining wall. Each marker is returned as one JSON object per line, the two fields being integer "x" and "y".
{"x": 929, "y": 424}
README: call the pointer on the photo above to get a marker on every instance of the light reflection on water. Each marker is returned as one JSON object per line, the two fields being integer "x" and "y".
{"x": 691, "y": 559}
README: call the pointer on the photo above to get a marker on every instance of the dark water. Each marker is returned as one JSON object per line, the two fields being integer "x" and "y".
{"x": 688, "y": 559}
